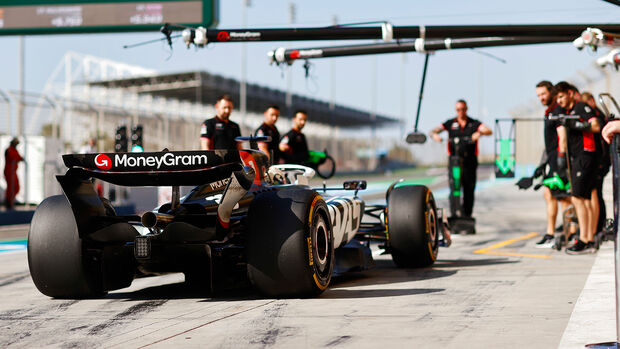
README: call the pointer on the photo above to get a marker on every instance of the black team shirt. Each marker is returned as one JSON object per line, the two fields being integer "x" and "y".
{"x": 469, "y": 151}
{"x": 602, "y": 148}
{"x": 551, "y": 133}
{"x": 580, "y": 143}
{"x": 297, "y": 141}
{"x": 270, "y": 131}
{"x": 221, "y": 133}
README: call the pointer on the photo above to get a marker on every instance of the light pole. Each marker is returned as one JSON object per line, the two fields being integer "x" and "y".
{"x": 20, "y": 113}
{"x": 373, "y": 114}
{"x": 242, "y": 84}
{"x": 289, "y": 75}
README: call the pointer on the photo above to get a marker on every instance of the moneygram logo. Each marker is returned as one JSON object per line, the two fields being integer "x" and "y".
{"x": 245, "y": 35}
{"x": 156, "y": 162}
{"x": 103, "y": 162}
{"x": 223, "y": 36}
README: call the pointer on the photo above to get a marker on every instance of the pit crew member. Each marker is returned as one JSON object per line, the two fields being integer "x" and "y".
{"x": 544, "y": 91}
{"x": 219, "y": 132}
{"x": 293, "y": 145}
{"x": 577, "y": 136}
{"x": 11, "y": 159}
{"x": 604, "y": 159}
{"x": 464, "y": 126}
{"x": 269, "y": 129}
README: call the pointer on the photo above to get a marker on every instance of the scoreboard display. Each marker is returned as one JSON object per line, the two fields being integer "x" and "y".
{"x": 57, "y": 17}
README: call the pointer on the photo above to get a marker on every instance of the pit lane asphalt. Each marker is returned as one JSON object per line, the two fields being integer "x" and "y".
{"x": 477, "y": 295}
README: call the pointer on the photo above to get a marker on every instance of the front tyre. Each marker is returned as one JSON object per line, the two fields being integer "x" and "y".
{"x": 413, "y": 227}
{"x": 60, "y": 264}
{"x": 290, "y": 244}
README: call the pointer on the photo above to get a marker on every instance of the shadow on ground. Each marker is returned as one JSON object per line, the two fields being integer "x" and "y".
{"x": 384, "y": 273}
{"x": 375, "y": 293}
{"x": 182, "y": 290}
{"x": 463, "y": 263}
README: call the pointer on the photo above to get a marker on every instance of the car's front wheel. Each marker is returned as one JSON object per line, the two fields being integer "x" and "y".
{"x": 413, "y": 226}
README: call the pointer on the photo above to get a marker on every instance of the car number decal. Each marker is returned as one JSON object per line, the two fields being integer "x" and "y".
{"x": 345, "y": 217}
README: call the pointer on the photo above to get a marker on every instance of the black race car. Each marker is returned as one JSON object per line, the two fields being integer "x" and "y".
{"x": 244, "y": 223}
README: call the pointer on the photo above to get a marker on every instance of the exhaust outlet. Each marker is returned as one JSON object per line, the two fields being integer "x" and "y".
{"x": 152, "y": 219}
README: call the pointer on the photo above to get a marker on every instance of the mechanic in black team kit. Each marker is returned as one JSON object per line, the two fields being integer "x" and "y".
{"x": 293, "y": 145}
{"x": 545, "y": 93}
{"x": 463, "y": 126}
{"x": 219, "y": 132}
{"x": 604, "y": 162}
{"x": 268, "y": 128}
{"x": 577, "y": 136}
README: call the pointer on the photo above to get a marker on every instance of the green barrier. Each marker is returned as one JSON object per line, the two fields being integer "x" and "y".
{"x": 505, "y": 162}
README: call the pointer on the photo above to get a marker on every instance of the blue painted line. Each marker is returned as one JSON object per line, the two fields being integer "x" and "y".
{"x": 10, "y": 246}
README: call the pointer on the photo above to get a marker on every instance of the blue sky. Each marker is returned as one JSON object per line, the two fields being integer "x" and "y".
{"x": 492, "y": 88}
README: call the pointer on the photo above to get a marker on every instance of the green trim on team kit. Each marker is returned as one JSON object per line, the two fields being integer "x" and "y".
{"x": 505, "y": 162}
{"x": 456, "y": 175}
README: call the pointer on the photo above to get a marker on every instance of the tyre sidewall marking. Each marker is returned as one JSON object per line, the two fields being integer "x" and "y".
{"x": 426, "y": 214}
{"x": 387, "y": 225}
{"x": 318, "y": 283}
{"x": 316, "y": 198}
{"x": 309, "y": 238}
{"x": 428, "y": 194}
{"x": 310, "y": 257}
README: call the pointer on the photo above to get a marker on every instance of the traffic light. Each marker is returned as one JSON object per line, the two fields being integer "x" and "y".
{"x": 136, "y": 139}
{"x": 120, "y": 140}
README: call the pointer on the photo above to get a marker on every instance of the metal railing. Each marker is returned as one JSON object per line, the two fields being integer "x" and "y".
{"x": 615, "y": 161}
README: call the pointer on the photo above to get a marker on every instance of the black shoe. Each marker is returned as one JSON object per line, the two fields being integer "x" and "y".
{"x": 572, "y": 239}
{"x": 560, "y": 228}
{"x": 593, "y": 246}
{"x": 579, "y": 247}
{"x": 546, "y": 241}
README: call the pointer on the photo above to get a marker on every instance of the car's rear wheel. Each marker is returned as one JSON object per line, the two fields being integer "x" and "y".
{"x": 413, "y": 226}
{"x": 60, "y": 264}
{"x": 290, "y": 244}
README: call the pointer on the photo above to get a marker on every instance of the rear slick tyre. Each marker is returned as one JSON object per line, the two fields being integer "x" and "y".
{"x": 290, "y": 245}
{"x": 59, "y": 264}
{"x": 413, "y": 227}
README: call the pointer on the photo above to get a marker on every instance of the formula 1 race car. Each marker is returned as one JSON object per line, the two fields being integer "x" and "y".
{"x": 243, "y": 221}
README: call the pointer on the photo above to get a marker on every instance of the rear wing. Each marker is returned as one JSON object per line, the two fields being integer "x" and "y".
{"x": 169, "y": 168}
